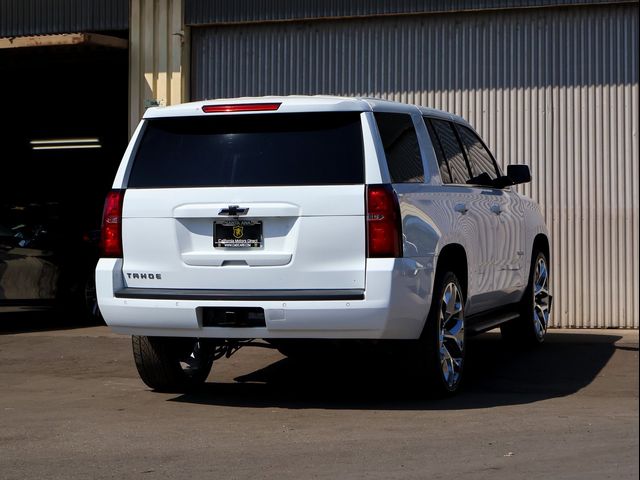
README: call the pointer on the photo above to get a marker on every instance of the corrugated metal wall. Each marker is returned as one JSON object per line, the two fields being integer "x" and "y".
{"x": 156, "y": 59}
{"x": 37, "y": 17}
{"x": 554, "y": 88}
{"x": 203, "y": 12}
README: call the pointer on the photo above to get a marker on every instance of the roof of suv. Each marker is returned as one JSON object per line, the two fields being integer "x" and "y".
{"x": 301, "y": 104}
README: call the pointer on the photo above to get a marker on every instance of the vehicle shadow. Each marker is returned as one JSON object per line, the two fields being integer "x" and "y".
{"x": 43, "y": 320}
{"x": 497, "y": 375}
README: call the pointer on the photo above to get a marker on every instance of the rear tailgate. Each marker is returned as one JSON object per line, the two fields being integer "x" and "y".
{"x": 247, "y": 202}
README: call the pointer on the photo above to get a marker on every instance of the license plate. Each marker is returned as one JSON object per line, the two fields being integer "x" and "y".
{"x": 237, "y": 234}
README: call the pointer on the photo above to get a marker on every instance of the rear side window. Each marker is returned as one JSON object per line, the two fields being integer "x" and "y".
{"x": 250, "y": 150}
{"x": 445, "y": 172}
{"x": 479, "y": 157}
{"x": 452, "y": 151}
{"x": 400, "y": 147}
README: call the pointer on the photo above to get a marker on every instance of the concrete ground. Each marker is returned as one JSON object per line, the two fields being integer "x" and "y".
{"x": 72, "y": 406}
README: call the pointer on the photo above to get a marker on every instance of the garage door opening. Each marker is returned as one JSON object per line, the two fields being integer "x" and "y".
{"x": 64, "y": 131}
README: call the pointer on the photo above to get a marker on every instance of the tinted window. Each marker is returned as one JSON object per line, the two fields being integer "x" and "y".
{"x": 445, "y": 173}
{"x": 245, "y": 150}
{"x": 400, "y": 147}
{"x": 452, "y": 151}
{"x": 479, "y": 157}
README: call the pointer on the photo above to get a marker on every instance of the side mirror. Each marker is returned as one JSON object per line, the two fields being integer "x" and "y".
{"x": 519, "y": 174}
{"x": 482, "y": 179}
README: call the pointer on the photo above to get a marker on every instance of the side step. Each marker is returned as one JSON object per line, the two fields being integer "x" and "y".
{"x": 482, "y": 322}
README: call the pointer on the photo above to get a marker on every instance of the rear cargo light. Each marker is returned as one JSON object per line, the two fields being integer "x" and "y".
{"x": 241, "y": 107}
{"x": 383, "y": 222}
{"x": 111, "y": 235}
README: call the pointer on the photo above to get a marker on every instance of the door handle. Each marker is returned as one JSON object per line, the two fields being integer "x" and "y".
{"x": 496, "y": 208}
{"x": 461, "y": 208}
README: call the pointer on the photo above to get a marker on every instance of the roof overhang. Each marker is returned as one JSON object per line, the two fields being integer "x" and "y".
{"x": 64, "y": 39}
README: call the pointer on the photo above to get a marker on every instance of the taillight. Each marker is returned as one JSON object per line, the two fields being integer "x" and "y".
{"x": 383, "y": 222}
{"x": 241, "y": 107}
{"x": 111, "y": 235}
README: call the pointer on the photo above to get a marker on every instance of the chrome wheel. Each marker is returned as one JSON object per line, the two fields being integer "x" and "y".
{"x": 541, "y": 297}
{"x": 451, "y": 340}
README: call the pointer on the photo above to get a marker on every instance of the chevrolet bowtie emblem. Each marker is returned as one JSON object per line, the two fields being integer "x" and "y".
{"x": 234, "y": 211}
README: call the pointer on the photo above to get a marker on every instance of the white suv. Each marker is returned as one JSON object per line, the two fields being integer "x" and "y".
{"x": 293, "y": 218}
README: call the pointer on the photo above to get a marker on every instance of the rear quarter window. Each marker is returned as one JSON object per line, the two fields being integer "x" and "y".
{"x": 401, "y": 147}
{"x": 250, "y": 150}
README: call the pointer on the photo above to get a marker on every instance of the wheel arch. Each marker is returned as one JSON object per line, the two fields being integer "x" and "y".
{"x": 453, "y": 256}
{"x": 541, "y": 242}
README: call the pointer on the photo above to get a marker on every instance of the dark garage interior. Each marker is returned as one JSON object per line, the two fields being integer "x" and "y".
{"x": 65, "y": 130}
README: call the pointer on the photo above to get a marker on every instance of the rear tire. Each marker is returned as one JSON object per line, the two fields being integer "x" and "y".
{"x": 442, "y": 345}
{"x": 91, "y": 309}
{"x": 168, "y": 364}
{"x": 530, "y": 327}
{"x": 77, "y": 296}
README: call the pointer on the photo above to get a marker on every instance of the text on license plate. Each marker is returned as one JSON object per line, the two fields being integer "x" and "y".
{"x": 237, "y": 233}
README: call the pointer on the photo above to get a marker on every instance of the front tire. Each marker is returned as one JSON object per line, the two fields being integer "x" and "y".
{"x": 168, "y": 364}
{"x": 530, "y": 328}
{"x": 444, "y": 336}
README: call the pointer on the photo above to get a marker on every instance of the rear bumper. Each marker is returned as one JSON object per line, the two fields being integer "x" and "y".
{"x": 394, "y": 305}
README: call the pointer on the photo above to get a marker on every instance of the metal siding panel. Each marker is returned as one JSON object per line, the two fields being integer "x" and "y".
{"x": 206, "y": 12}
{"x": 557, "y": 90}
{"x": 155, "y": 56}
{"x": 39, "y": 17}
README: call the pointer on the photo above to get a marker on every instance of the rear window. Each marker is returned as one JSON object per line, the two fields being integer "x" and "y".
{"x": 452, "y": 150}
{"x": 248, "y": 150}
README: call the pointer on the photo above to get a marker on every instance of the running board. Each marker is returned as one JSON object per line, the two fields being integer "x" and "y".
{"x": 483, "y": 322}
